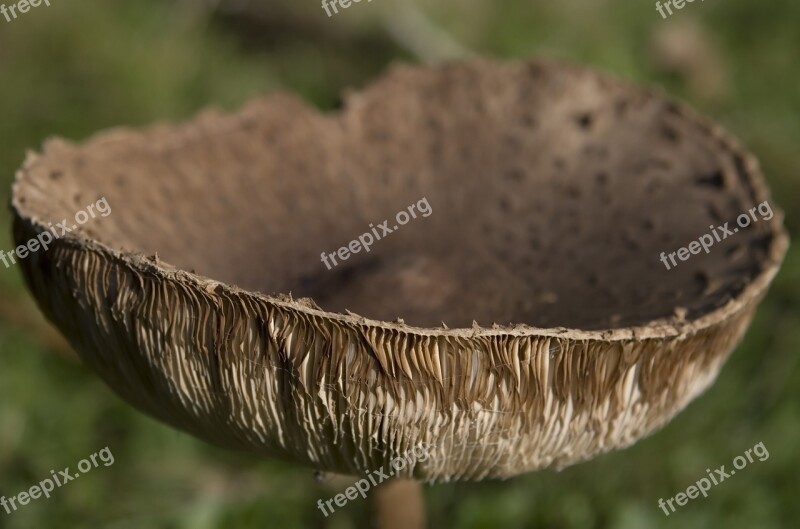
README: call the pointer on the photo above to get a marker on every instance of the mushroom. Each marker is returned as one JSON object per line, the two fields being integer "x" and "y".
{"x": 526, "y": 323}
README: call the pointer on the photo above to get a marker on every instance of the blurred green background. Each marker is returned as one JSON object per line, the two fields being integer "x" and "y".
{"x": 77, "y": 67}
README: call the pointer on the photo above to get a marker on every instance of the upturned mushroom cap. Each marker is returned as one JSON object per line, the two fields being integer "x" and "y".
{"x": 554, "y": 190}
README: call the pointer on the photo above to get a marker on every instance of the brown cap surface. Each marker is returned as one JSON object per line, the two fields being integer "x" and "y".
{"x": 553, "y": 190}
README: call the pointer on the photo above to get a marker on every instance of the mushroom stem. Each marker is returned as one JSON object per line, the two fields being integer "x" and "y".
{"x": 398, "y": 504}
